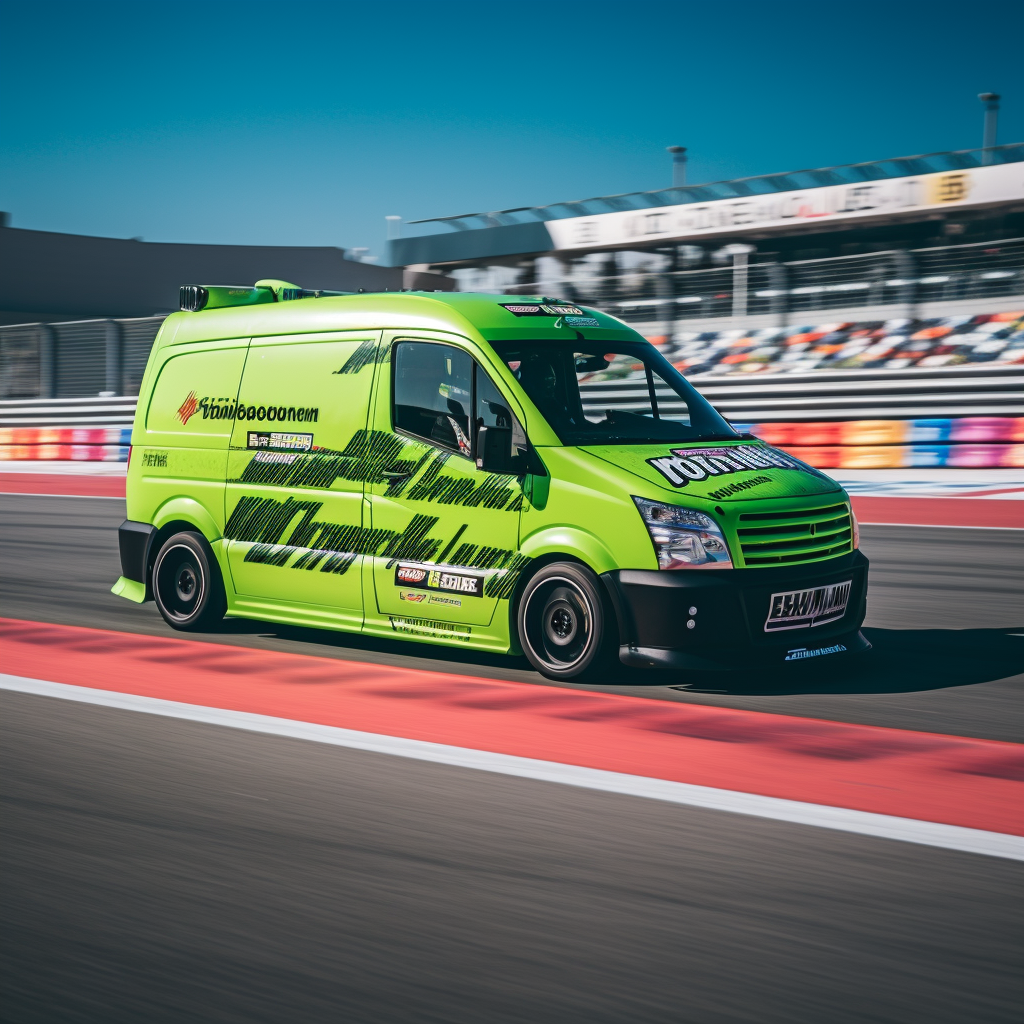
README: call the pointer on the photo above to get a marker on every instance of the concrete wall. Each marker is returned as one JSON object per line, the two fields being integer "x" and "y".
{"x": 46, "y": 277}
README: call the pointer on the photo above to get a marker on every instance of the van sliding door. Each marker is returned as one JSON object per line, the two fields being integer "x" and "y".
{"x": 294, "y": 505}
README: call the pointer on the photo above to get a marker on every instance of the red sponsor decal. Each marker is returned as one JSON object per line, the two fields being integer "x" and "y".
{"x": 188, "y": 408}
{"x": 407, "y": 574}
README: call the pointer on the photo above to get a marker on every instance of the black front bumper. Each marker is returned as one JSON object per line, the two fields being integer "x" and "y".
{"x": 732, "y": 608}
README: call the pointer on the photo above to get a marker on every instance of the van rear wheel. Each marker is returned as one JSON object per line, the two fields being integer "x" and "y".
{"x": 187, "y": 584}
{"x": 564, "y": 626}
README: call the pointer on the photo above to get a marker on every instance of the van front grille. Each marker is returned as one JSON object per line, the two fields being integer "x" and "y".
{"x": 804, "y": 535}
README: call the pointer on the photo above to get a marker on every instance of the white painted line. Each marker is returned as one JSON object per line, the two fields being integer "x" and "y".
{"x": 78, "y": 467}
{"x": 940, "y": 526}
{"x": 883, "y": 826}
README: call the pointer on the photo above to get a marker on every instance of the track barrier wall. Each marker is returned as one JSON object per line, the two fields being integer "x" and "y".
{"x": 77, "y": 444}
{"x": 971, "y": 442}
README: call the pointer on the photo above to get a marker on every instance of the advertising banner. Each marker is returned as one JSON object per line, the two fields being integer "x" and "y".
{"x": 972, "y": 187}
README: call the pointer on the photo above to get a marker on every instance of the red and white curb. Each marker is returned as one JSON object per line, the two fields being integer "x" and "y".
{"x": 882, "y": 826}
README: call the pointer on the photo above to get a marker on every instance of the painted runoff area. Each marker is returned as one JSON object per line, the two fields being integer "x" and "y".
{"x": 937, "y": 790}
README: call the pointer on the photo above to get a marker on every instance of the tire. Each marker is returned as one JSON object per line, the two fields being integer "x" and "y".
{"x": 565, "y": 628}
{"x": 187, "y": 585}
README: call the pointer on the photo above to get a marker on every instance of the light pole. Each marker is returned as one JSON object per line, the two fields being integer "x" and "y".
{"x": 991, "y": 101}
{"x": 678, "y": 165}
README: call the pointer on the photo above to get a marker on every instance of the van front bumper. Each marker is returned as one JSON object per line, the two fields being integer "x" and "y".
{"x": 730, "y": 609}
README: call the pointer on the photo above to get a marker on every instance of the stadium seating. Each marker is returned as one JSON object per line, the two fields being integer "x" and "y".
{"x": 890, "y": 344}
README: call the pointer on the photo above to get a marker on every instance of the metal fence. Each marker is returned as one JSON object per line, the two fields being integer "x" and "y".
{"x": 653, "y": 292}
{"x": 108, "y": 357}
{"x": 837, "y": 395}
{"x": 75, "y": 359}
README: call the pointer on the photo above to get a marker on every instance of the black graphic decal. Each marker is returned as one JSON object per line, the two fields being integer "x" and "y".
{"x": 448, "y": 547}
{"x": 264, "y": 520}
{"x": 502, "y": 586}
{"x": 413, "y": 545}
{"x": 464, "y": 554}
{"x": 269, "y": 554}
{"x": 372, "y": 453}
{"x": 334, "y": 547}
{"x": 365, "y": 355}
{"x": 492, "y": 492}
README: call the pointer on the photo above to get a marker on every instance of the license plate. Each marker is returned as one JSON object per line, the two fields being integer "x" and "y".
{"x": 796, "y": 609}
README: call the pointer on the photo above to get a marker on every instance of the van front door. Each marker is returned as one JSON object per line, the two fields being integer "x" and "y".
{"x": 448, "y": 560}
{"x": 294, "y": 497}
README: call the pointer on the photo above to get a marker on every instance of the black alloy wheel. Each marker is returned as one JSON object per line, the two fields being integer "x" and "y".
{"x": 187, "y": 585}
{"x": 564, "y": 628}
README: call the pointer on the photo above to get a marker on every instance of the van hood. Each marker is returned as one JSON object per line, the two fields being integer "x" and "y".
{"x": 718, "y": 472}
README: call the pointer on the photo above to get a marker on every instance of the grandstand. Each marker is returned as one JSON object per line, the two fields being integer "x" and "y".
{"x": 890, "y": 344}
{"x": 899, "y": 246}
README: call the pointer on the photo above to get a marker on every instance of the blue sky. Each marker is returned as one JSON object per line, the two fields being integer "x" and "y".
{"x": 306, "y": 123}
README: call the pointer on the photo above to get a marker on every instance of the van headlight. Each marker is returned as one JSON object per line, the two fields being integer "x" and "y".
{"x": 683, "y": 538}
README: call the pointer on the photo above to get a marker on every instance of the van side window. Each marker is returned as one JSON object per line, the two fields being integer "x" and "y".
{"x": 432, "y": 394}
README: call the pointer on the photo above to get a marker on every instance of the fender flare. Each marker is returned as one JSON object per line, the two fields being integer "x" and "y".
{"x": 193, "y": 513}
{"x": 190, "y": 511}
{"x": 571, "y": 541}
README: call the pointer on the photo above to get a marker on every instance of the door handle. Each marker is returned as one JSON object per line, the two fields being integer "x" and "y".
{"x": 393, "y": 475}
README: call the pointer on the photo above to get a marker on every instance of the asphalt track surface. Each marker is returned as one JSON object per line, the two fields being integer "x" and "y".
{"x": 161, "y": 870}
{"x": 154, "y": 869}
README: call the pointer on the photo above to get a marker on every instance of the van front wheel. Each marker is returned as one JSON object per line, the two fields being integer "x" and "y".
{"x": 564, "y": 627}
{"x": 187, "y": 585}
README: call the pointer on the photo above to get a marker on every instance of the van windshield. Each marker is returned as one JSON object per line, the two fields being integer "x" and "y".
{"x": 611, "y": 393}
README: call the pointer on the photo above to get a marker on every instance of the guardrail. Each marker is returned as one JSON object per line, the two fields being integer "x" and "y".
{"x": 946, "y": 392}
{"x": 68, "y": 412}
{"x": 75, "y": 358}
{"x": 847, "y": 394}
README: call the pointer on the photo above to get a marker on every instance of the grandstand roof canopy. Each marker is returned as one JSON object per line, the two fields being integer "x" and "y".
{"x": 536, "y": 229}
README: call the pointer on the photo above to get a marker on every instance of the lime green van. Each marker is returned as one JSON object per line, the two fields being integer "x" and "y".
{"x": 506, "y": 474}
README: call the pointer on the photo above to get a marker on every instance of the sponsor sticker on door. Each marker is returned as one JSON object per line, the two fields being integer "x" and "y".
{"x": 278, "y": 440}
{"x": 439, "y": 579}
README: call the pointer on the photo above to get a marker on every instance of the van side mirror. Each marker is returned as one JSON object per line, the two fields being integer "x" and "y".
{"x": 494, "y": 451}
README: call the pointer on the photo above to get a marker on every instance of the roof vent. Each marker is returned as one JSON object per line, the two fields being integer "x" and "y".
{"x": 194, "y": 297}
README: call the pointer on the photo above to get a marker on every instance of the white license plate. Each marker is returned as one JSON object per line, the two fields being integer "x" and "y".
{"x": 796, "y": 609}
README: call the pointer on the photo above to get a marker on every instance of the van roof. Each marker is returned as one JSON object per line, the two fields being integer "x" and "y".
{"x": 494, "y": 317}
